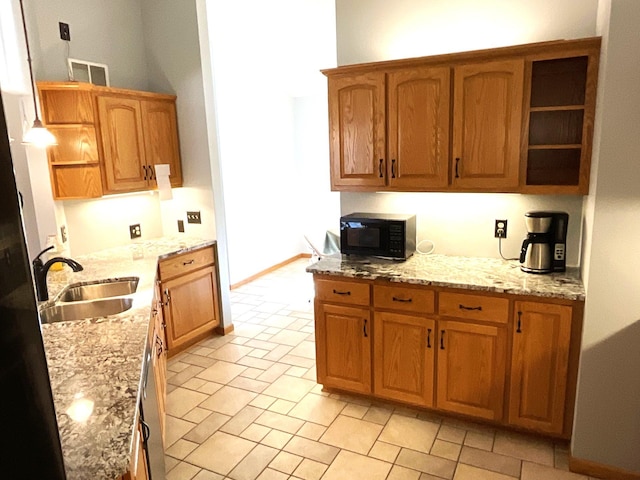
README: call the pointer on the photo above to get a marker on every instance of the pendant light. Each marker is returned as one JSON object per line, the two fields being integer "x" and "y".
{"x": 37, "y": 135}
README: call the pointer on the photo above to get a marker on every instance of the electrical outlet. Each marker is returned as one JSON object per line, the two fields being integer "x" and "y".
{"x": 181, "y": 226}
{"x": 63, "y": 233}
{"x": 65, "y": 33}
{"x": 500, "y": 229}
{"x": 193, "y": 217}
{"x": 134, "y": 231}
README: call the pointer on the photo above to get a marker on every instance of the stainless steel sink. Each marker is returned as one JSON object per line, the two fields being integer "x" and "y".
{"x": 63, "y": 312}
{"x": 99, "y": 289}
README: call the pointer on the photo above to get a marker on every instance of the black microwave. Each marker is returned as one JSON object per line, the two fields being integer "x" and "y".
{"x": 378, "y": 234}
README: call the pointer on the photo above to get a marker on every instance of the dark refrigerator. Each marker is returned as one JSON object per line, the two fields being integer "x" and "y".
{"x": 29, "y": 444}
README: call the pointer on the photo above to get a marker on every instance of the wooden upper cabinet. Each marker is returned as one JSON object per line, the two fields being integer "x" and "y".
{"x": 539, "y": 366}
{"x": 487, "y": 119}
{"x": 123, "y": 144}
{"x": 357, "y": 131}
{"x": 418, "y": 128}
{"x": 161, "y": 137}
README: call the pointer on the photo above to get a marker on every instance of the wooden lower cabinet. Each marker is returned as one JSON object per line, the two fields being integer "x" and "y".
{"x": 138, "y": 469}
{"x": 403, "y": 354}
{"x": 539, "y": 366}
{"x": 190, "y": 305}
{"x": 343, "y": 347}
{"x": 159, "y": 359}
{"x": 471, "y": 369}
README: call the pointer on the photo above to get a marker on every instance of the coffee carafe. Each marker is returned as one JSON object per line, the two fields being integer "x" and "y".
{"x": 544, "y": 249}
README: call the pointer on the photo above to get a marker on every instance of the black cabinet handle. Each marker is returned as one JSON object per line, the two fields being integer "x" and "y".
{"x": 364, "y": 328}
{"x": 441, "y": 339}
{"x": 338, "y": 292}
{"x": 518, "y": 330}
{"x": 393, "y": 168}
{"x": 188, "y": 263}
{"x": 428, "y": 338}
{"x": 146, "y": 431}
{"x": 463, "y": 307}
{"x": 152, "y": 172}
{"x": 144, "y": 169}
{"x": 381, "y": 173}
{"x": 403, "y": 300}
{"x": 457, "y": 163}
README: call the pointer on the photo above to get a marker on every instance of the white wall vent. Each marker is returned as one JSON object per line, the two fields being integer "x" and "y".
{"x": 91, "y": 72}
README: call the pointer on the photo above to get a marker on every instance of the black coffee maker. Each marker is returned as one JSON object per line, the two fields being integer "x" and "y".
{"x": 544, "y": 249}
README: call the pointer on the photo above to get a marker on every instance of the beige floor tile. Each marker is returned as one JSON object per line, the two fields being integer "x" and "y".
{"x": 276, "y": 439}
{"x": 253, "y": 362}
{"x": 170, "y": 462}
{"x": 176, "y": 366}
{"x": 175, "y": 428}
{"x": 252, "y": 373}
{"x": 228, "y": 400}
{"x": 178, "y": 379}
{"x": 207, "y": 427}
{"x": 447, "y": 450}
{"x": 207, "y": 475}
{"x": 279, "y": 422}
{"x": 181, "y": 401}
{"x": 296, "y": 371}
{"x": 241, "y": 421}
{"x": 451, "y": 434}
{"x": 258, "y": 353}
{"x": 297, "y": 361}
{"x": 220, "y": 453}
{"x": 262, "y": 401}
{"x": 282, "y": 406}
{"x": 183, "y": 471}
{"x": 285, "y": 462}
{"x": 289, "y": 337}
{"x": 355, "y": 411}
{"x": 312, "y": 431}
{"x": 289, "y": 388}
{"x": 349, "y": 466}
{"x": 440, "y": 467}
{"x": 410, "y": 433}
{"x": 524, "y": 447}
{"x": 317, "y": 409}
{"x": 310, "y": 449}
{"x": 270, "y": 474}
{"x": 278, "y": 352}
{"x": 306, "y": 349}
{"x": 194, "y": 383}
{"x": 199, "y": 360}
{"x": 403, "y": 473}
{"x": 255, "y": 432}
{"x": 254, "y": 463}
{"x": 181, "y": 449}
{"x": 273, "y": 372}
{"x": 378, "y": 415}
{"x": 197, "y": 415}
{"x": 491, "y": 461}
{"x": 352, "y": 434}
{"x": 248, "y": 384}
{"x": 479, "y": 440}
{"x": 384, "y": 451}
{"x": 310, "y": 470}
{"x": 247, "y": 330}
{"x": 467, "y": 472}
{"x": 561, "y": 456}
{"x": 261, "y": 344}
{"x": 222, "y": 372}
{"x": 210, "y": 388}
{"x": 534, "y": 471}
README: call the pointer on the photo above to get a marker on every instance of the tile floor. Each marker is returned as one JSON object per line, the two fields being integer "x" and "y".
{"x": 246, "y": 406}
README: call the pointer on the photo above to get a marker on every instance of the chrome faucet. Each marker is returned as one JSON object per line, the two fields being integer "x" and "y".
{"x": 40, "y": 272}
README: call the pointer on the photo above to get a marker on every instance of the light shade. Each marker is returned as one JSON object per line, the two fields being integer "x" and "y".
{"x": 39, "y": 136}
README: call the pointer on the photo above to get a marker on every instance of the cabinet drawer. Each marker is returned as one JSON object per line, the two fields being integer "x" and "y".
{"x": 403, "y": 298}
{"x": 185, "y": 263}
{"x": 474, "y": 307}
{"x": 343, "y": 292}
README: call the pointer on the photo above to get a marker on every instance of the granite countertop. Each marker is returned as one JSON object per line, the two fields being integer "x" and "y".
{"x": 95, "y": 365}
{"x": 472, "y": 273}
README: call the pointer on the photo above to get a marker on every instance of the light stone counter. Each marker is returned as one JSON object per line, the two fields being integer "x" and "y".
{"x": 486, "y": 274}
{"x": 95, "y": 365}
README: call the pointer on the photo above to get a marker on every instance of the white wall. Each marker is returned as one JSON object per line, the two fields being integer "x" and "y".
{"x": 463, "y": 223}
{"x": 104, "y": 32}
{"x": 375, "y": 30}
{"x": 607, "y": 422}
{"x": 261, "y": 61}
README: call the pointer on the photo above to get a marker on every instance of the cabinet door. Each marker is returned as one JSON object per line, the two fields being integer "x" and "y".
{"x": 418, "y": 133}
{"x": 160, "y": 358}
{"x": 471, "y": 369}
{"x": 343, "y": 347}
{"x": 403, "y": 357}
{"x": 123, "y": 144}
{"x": 190, "y": 307}
{"x": 487, "y": 120}
{"x": 161, "y": 137}
{"x": 539, "y": 366}
{"x": 357, "y": 131}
